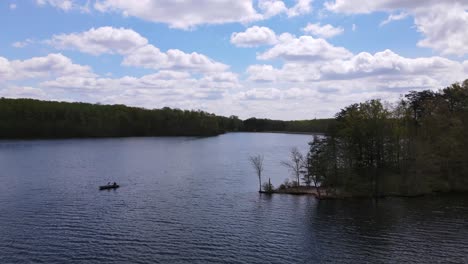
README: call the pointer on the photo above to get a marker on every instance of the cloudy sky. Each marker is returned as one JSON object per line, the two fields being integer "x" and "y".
{"x": 296, "y": 59}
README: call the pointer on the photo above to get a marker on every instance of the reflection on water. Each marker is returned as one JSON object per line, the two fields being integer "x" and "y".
{"x": 186, "y": 200}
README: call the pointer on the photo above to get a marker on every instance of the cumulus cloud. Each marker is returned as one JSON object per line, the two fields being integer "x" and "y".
{"x": 6, "y": 70}
{"x": 189, "y": 14}
{"x": 383, "y": 65}
{"x": 444, "y": 31}
{"x": 54, "y": 64}
{"x": 160, "y": 89}
{"x": 300, "y": 8}
{"x": 184, "y": 14}
{"x": 388, "y": 63}
{"x": 325, "y": 31}
{"x": 304, "y": 48}
{"x": 260, "y": 94}
{"x": 262, "y": 73}
{"x": 101, "y": 40}
{"x": 152, "y": 58}
{"x": 253, "y": 37}
{"x": 22, "y": 92}
{"x": 135, "y": 49}
{"x": 271, "y": 8}
{"x": 321, "y": 88}
{"x": 162, "y": 80}
{"x": 332, "y": 84}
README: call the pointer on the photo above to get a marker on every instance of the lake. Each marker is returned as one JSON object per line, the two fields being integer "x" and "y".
{"x": 196, "y": 200}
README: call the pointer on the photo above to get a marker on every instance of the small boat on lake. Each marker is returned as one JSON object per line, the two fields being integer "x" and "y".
{"x": 109, "y": 186}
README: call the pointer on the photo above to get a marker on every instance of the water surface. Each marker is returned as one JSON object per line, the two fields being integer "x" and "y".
{"x": 195, "y": 200}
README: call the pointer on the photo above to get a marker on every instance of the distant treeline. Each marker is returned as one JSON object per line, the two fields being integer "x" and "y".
{"x": 29, "y": 118}
{"x": 300, "y": 126}
{"x": 418, "y": 146}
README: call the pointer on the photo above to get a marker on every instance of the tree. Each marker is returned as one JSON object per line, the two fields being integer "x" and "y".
{"x": 296, "y": 164}
{"x": 316, "y": 164}
{"x": 257, "y": 163}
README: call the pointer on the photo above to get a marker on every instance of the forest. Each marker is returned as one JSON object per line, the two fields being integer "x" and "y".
{"x": 300, "y": 126}
{"x": 29, "y": 118}
{"x": 416, "y": 146}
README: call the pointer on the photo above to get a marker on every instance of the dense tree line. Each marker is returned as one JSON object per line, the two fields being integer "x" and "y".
{"x": 302, "y": 126}
{"x": 419, "y": 145}
{"x": 28, "y": 118}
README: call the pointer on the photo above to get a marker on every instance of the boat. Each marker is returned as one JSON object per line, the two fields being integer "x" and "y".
{"x": 109, "y": 186}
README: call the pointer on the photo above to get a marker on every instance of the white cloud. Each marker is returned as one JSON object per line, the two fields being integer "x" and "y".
{"x": 300, "y": 8}
{"x": 388, "y": 63}
{"x": 152, "y": 58}
{"x": 272, "y": 7}
{"x": 354, "y": 27}
{"x": 41, "y": 67}
{"x": 12, "y": 6}
{"x": 189, "y": 14}
{"x": 22, "y": 44}
{"x": 262, "y": 73}
{"x": 325, "y": 31}
{"x": 22, "y": 92}
{"x": 64, "y": 5}
{"x": 260, "y": 94}
{"x": 6, "y": 70}
{"x": 320, "y": 89}
{"x": 164, "y": 88}
{"x": 304, "y": 48}
{"x": 385, "y": 64}
{"x": 369, "y": 6}
{"x": 394, "y": 17}
{"x": 447, "y": 31}
{"x": 184, "y": 14}
{"x": 101, "y": 40}
{"x": 135, "y": 49}
{"x": 254, "y": 36}
{"x": 442, "y": 23}
{"x": 162, "y": 80}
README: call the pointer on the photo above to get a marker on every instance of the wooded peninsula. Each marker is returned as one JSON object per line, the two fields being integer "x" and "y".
{"x": 416, "y": 146}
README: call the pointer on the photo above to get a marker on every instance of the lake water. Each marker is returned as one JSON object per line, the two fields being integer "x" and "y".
{"x": 195, "y": 200}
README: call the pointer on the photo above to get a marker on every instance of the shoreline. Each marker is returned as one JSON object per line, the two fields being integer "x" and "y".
{"x": 159, "y": 136}
{"x": 281, "y": 132}
{"x": 329, "y": 195}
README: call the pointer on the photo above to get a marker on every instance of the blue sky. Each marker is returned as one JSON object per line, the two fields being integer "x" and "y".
{"x": 297, "y": 59}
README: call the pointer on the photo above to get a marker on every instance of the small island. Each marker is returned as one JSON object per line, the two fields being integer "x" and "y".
{"x": 415, "y": 147}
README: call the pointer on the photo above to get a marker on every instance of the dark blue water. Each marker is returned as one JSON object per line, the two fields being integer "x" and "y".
{"x": 195, "y": 200}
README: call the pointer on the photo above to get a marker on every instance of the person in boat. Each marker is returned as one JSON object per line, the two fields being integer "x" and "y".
{"x": 115, "y": 184}
{"x": 108, "y": 183}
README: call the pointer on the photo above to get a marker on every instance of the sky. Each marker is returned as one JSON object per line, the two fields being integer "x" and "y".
{"x": 297, "y": 59}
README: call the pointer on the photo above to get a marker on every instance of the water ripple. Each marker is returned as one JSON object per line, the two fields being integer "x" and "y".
{"x": 179, "y": 203}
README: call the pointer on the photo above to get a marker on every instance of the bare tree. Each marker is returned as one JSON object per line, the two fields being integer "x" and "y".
{"x": 257, "y": 163}
{"x": 296, "y": 164}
